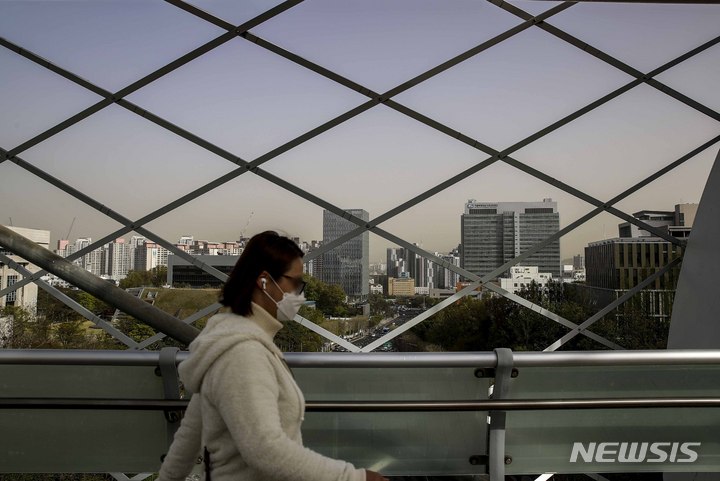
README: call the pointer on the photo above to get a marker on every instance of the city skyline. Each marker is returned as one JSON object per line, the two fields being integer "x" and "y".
{"x": 493, "y": 233}
{"x": 609, "y": 232}
{"x": 249, "y": 101}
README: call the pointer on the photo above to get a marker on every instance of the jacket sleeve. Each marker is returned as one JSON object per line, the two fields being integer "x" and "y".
{"x": 245, "y": 389}
{"x": 186, "y": 445}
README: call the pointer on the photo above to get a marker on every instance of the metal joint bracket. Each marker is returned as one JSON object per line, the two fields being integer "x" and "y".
{"x": 171, "y": 387}
{"x": 483, "y": 372}
{"x": 503, "y": 374}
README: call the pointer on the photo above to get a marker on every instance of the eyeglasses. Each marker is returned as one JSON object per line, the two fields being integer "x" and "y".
{"x": 299, "y": 284}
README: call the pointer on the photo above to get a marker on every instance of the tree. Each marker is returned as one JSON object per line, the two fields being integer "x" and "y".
{"x": 379, "y": 306}
{"x": 296, "y": 338}
{"x": 32, "y": 331}
{"x": 54, "y": 310}
{"x": 155, "y": 277}
{"x": 462, "y": 326}
{"x": 329, "y": 299}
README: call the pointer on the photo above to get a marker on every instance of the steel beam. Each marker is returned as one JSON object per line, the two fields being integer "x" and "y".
{"x": 99, "y": 288}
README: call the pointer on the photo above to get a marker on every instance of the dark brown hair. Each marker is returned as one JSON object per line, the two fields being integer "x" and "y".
{"x": 267, "y": 251}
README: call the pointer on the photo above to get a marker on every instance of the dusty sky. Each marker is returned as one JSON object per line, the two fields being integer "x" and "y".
{"x": 249, "y": 101}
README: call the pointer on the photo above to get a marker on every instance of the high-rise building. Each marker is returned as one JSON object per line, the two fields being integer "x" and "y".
{"x": 444, "y": 278}
{"x": 348, "y": 264}
{"x": 314, "y": 266}
{"x": 395, "y": 261}
{"x": 578, "y": 262}
{"x": 150, "y": 255}
{"x": 95, "y": 262}
{"x": 136, "y": 242}
{"x": 79, "y": 245}
{"x": 402, "y": 263}
{"x": 119, "y": 259}
{"x": 493, "y": 233}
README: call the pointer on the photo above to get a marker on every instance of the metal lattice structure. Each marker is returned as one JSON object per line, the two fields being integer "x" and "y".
{"x": 254, "y": 167}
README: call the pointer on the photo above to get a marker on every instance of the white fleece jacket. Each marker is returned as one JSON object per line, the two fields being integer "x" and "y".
{"x": 247, "y": 409}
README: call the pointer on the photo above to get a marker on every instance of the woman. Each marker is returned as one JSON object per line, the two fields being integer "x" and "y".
{"x": 247, "y": 408}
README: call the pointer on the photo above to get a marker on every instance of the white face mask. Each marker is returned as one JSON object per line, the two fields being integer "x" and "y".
{"x": 289, "y": 305}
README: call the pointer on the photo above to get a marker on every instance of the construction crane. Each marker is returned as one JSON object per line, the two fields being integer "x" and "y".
{"x": 67, "y": 236}
{"x": 242, "y": 232}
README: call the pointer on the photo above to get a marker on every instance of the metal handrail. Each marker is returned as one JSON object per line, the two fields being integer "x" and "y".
{"x": 398, "y": 360}
{"x": 380, "y": 406}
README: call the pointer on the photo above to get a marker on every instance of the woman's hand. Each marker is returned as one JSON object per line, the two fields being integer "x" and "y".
{"x": 373, "y": 476}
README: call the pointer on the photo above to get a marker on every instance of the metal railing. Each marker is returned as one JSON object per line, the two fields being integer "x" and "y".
{"x": 587, "y": 383}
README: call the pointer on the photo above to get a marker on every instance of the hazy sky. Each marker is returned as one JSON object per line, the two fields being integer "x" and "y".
{"x": 249, "y": 101}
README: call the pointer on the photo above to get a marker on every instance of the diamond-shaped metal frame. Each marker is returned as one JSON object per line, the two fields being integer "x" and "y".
{"x": 386, "y": 98}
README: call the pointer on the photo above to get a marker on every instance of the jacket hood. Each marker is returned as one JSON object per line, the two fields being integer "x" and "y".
{"x": 222, "y": 333}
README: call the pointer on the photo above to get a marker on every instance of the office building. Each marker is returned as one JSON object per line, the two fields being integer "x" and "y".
{"x": 395, "y": 262}
{"x": 347, "y": 265}
{"x": 181, "y": 273}
{"x": 494, "y": 233}
{"x": 614, "y": 266}
{"x": 444, "y": 278}
{"x": 636, "y": 253}
{"x": 578, "y": 262}
{"x": 402, "y": 262}
{"x": 401, "y": 287}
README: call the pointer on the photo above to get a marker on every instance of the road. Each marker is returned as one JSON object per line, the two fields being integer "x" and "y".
{"x": 380, "y": 330}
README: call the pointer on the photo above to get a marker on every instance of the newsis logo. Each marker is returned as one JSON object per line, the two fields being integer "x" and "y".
{"x": 635, "y": 452}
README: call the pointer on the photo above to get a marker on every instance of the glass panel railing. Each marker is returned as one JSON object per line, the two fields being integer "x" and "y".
{"x": 565, "y": 382}
{"x": 397, "y": 443}
{"x": 671, "y": 439}
{"x": 80, "y": 440}
{"x": 396, "y": 440}
{"x": 401, "y": 444}
{"x": 613, "y": 440}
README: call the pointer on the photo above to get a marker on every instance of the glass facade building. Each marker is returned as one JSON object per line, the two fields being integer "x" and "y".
{"x": 349, "y": 264}
{"x": 183, "y": 273}
{"x": 494, "y": 233}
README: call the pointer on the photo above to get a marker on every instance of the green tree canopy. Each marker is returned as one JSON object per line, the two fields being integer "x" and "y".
{"x": 329, "y": 299}
{"x": 296, "y": 338}
{"x": 379, "y": 306}
{"x": 155, "y": 277}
